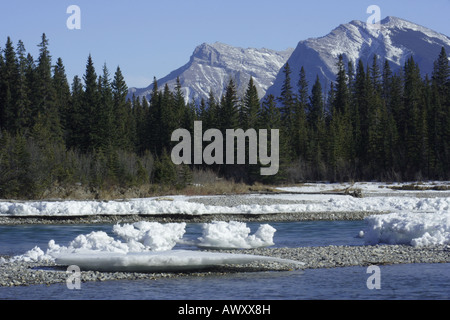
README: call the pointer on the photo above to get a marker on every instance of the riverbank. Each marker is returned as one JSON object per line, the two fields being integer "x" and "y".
{"x": 177, "y": 218}
{"x": 22, "y": 273}
{"x": 283, "y": 207}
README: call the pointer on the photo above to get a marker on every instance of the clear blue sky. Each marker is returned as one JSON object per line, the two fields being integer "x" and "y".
{"x": 152, "y": 38}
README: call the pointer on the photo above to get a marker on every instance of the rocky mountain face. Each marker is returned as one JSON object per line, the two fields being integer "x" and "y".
{"x": 395, "y": 40}
{"x": 211, "y": 66}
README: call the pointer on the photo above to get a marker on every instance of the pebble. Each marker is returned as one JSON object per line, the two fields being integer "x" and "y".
{"x": 21, "y": 273}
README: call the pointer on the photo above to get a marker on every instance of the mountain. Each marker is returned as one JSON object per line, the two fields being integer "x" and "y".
{"x": 395, "y": 40}
{"x": 212, "y": 65}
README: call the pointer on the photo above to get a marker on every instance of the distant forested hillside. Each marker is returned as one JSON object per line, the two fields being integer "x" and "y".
{"x": 371, "y": 125}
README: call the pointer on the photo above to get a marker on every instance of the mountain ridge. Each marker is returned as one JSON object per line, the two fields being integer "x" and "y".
{"x": 211, "y": 66}
{"x": 394, "y": 40}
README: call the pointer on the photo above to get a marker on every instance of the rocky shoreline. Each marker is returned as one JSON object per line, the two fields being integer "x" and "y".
{"x": 175, "y": 218}
{"x": 21, "y": 273}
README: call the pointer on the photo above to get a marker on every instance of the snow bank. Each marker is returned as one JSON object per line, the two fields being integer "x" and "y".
{"x": 153, "y": 236}
{"x": 308, "y": 203}
{"x": 235, "y": 235}
{"x": 147, "y": 246}
{"x": 416, "y": 229}
{"x": 173, "y": 260}
{"x": 365, "y": 187}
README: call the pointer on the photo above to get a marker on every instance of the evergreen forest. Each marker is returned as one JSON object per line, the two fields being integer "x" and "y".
{"x": 369, "y": 124}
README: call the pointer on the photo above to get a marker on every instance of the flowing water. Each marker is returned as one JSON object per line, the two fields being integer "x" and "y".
{"x": 409, "y": 281}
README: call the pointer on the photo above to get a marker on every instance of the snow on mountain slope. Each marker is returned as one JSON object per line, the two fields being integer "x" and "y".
{"x": 211, "y": 66}
{"x": 396, "y": 40}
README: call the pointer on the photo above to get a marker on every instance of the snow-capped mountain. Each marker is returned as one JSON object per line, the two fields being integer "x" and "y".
{"x": 212, "y": 65}
{"x": 395, "y": 40}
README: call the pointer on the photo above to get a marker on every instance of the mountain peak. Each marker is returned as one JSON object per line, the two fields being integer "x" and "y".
{"x": 395, "y": 41}
{"x": 212, "y": 65}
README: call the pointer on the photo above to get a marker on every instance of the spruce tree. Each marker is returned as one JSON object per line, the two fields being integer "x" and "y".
{"x": 23, "y": 102}
{"x": 9, "y": 84}
{"x": 155, "y": 126}
{"x": 212, "y": 120}
{"x": 270, "y": 118}
{"x": 300, "y": 125}
{"x": 413, "y": 113}
{"x": 169, "y": 120}
{"x": 48, "y": 125}
{"x": 251, "y": 106}
{"x": 121, "y": 134}
{"x": 316, "y": 132}
{"x": 439, "y": 115}
{"x": 102, "y": 132}
{"x": 229, "y": 113}
{"x": 288, "y": 103}
{"x": 62, "y": 93}
{"x": 75, "y": 116}
{"x": 88, "y": 140}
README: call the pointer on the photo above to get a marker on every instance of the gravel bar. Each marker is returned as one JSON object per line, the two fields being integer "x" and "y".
{"x": 33, "y": 273}
{"x": 226, "y": 201}
{"x": 172, "y": 218}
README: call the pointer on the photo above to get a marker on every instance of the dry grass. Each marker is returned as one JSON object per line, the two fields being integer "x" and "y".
{"x": 217, "y": 187}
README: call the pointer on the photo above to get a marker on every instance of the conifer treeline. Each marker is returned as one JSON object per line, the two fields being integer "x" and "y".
{"x": 371, "y": 124}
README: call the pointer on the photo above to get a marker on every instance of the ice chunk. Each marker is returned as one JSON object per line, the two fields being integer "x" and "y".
{"x": 411, "y": 228}
{"x": 152, "y": 236}
{"x": 173, "y": 260}
{"x": 235, "y": 235}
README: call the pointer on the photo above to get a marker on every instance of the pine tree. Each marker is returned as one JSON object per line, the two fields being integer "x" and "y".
{"x": 23, "y": 102}
{"x": 62, "y": 93}
{"x": 251, "y": 106}
{"x": 48, "y": 125}
{"x": 102, "y": 132}
{"x": 439, "y": 115}
{"x": 165, "y": 171}
{"x": 169, "y": 120}
{"x": 270, "y": 118}
{"x": 413, "y": 113}
{"x": 316, "y": 132}
{"x": 15, "y": 168}
{"x": 229, "y": 114}
{"x": 140, "y": 114}
{"x": 155, "y": 126}
{"x": 342, "y": 146}
{"x": 212, "y": 119}
{"x": 360, "y": 113}
{"x": 9, "y": 85}
{"x": 180, "y": 107}
{"x": 75, "y": 116}
{"x": 121, "y": 134}
{"x": 300, "y": 125}
{"x": 342, "y": 95}
{"x": 288, "y": 103}
{"x": 375, "y": 75}
{"x": 88, "y": 140}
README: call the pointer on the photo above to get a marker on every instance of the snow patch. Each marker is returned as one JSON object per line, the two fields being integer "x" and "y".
{"x": 235, "y": 235}
{"x": 417, "y": 229}
{"x": 147, "y": 246}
